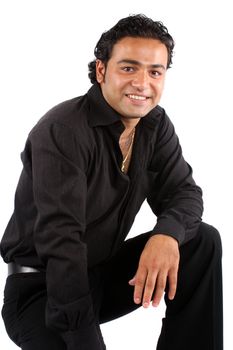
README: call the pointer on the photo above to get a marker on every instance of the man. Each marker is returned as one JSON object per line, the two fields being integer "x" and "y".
{"x": 89, "y": 164}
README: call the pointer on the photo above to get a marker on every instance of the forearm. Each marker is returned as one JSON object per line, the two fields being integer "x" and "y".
{"x": 175, "y": 198}
{"x": 59, "y": 186}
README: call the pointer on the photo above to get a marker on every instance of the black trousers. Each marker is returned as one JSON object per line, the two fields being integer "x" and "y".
{"x": 193, "y": 319}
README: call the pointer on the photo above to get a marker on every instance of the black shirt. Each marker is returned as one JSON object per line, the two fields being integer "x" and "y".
{"x": 74, "y": 207}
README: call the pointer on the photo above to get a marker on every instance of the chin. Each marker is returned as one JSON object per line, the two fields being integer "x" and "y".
{"x": 134, "y": 116}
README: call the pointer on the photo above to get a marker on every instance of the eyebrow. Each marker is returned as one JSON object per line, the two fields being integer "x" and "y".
{"x": 129, "y": 61}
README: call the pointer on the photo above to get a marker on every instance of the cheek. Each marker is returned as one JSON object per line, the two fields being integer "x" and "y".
{"x": 113, "y": 85}
{"x": 158, "y": 88}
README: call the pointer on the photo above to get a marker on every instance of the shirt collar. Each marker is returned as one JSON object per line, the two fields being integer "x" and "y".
{"x": 101, "y": 113}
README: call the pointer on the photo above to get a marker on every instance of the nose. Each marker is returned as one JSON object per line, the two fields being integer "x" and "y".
{"x": 141, "y": 80}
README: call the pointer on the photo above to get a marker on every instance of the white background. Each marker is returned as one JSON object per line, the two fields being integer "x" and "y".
{"x": 45, "y": 48}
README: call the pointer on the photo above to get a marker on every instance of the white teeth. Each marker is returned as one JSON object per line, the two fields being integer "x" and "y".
{"x": 136, "y": 97}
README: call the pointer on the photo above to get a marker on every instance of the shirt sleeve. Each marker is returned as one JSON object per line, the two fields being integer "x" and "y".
{"x": 59, "y": 186}
{"x": 175, "y": 198}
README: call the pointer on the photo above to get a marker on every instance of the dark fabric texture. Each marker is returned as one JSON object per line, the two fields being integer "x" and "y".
{"x": 74, "y": 207}
{"x": 193, "y": 319}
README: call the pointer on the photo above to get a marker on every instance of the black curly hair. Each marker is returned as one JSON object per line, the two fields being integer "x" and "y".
{"x": 138, "y": 26}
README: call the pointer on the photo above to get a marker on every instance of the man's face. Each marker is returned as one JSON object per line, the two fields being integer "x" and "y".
{"x": 133, "y": 80}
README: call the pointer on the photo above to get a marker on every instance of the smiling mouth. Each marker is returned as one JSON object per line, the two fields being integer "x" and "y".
{"x": 137, "y": 97}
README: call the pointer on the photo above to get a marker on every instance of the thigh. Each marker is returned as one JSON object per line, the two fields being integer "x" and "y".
{"x": 117, "y": 297}
{"x": 24, "y": 313}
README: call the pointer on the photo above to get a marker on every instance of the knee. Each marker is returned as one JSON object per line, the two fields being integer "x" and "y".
{"x": 210, "y": 238}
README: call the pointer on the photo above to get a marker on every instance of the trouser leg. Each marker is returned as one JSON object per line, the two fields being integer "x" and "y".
{"x": 24, "y": 313}
{"x": 117, "y": 299}
{"x": 194, "y": 318}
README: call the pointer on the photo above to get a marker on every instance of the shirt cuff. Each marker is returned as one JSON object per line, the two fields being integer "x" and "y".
{"x": 170, "y": 227}
{"x": 89, "y": 338}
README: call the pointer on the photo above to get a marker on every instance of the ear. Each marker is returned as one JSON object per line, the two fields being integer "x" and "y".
{"x": 100, "y": 71}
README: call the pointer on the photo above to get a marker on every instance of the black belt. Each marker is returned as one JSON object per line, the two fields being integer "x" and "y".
{"x": 15, "y": 268}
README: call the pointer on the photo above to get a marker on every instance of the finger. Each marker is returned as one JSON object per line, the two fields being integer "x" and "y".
{"x": 172, "y": 281}
{"x": 149, "y": 289}
{"x": 140, "y": 280}
{"x": 160, "y": 288}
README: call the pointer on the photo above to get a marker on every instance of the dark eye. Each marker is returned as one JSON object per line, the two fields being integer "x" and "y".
{"x": 155, "y": 73}
{"x": 128, "y": 69}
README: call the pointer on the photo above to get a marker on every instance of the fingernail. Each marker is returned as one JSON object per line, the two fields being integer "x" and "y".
{"x": 155, "y": 304}
{"x": 137, "y": 300}
{"x": 132, "y": 281}
{"x": 145, "y": 304}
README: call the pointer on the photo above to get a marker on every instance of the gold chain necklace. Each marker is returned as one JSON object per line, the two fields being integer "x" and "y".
{"x": 128, "y": 153}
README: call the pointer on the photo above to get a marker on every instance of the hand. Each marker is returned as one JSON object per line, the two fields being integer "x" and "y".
{"x": 158, "y": 264}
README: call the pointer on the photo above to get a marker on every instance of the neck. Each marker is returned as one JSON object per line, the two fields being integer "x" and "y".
{"x": 129, "y": 124}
